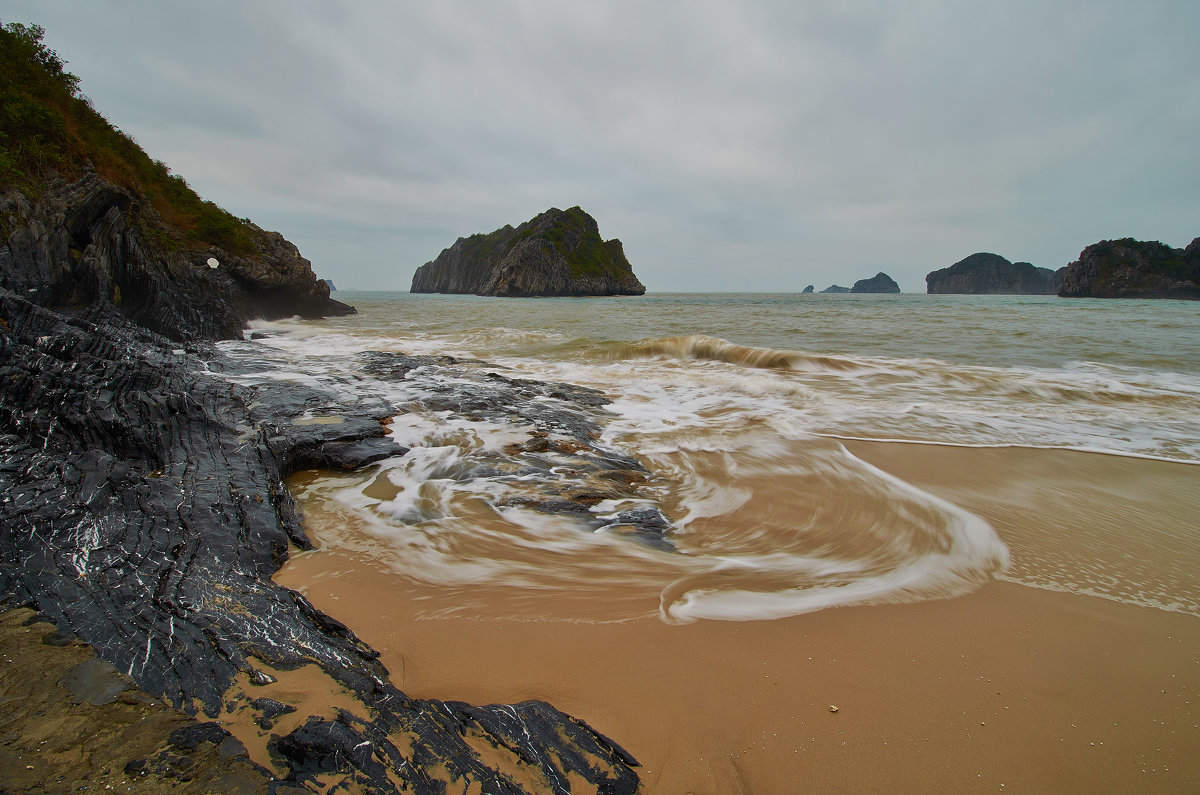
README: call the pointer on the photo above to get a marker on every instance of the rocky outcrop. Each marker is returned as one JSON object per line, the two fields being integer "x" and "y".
{"x": 992, "y": 274}
{"x": 879, "y": 283}
{"x": 807, "y": 290}
{"x": 88, "y": 243}
{"x": 142, "y": 510}
{"x": 556, "y": 253}
{"x": 1129, "y": 268}
{"x": 835, "y": 288}
{"x": 329, "y": 283}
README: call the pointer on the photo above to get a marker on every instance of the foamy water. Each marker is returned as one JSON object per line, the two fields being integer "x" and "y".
{"x": 737, "y": 406}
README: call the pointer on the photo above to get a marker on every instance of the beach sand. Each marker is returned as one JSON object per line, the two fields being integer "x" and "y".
{"x": 1008, "y": 688}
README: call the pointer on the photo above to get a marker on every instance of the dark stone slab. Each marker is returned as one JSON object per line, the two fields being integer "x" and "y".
{"x": 143, "y": 510}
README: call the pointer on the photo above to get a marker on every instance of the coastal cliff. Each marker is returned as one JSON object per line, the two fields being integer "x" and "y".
{"x": 90, "y": 243}
{"x": 142, "y": 502}
{"x": 557, "y": 253}
{"x": 991, "y": 274}
{"x": 1129, "y": 268}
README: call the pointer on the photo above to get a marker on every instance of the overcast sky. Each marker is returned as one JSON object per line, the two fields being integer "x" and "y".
{"x": 732, "y": 146}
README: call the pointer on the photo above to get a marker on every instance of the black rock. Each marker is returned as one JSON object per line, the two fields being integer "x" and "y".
{"x": 142, "y": 509}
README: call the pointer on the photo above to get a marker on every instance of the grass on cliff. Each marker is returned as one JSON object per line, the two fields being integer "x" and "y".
{"x": 593, "y": 256}
{"x": 48, "y": 127}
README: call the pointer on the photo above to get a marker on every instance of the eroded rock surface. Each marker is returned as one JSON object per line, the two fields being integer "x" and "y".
{"x": 142, "y": 509}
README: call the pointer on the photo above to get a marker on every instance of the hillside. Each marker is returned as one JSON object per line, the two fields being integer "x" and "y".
{"x": 88, "y": 220}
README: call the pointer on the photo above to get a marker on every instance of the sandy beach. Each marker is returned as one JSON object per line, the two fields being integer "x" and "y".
{"x": 1008, "y": 688}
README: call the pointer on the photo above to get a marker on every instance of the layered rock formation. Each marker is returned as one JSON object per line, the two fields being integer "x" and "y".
{"x": 88, "y": 242}
{"x": 557, "y": 253}
{"x": 1129, "y": 268}
{"x": 879, "y": 283}
{"x": 142, "y": 509}
{"x": 992, "y": 274}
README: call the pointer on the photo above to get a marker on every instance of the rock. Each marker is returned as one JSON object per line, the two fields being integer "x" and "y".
{"x": 142, "y": 509}
{"x": 834, "y": 288}
{"x": 330, "y": 285}
{"x": 807, "y": 290}
{"x": 1129, "y": 268}
{"x": 556, "y": 253}
{"x": 89, "y": 243}
{"x": 879, "y": 283}
{"x": 992, "y": 274}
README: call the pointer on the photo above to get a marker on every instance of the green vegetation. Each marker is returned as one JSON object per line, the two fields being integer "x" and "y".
{"x": 592, "y": 256}
{"x": 47, "y": 127}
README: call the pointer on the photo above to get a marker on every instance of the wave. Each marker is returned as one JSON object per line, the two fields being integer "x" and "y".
{"x": 701, "y": 347}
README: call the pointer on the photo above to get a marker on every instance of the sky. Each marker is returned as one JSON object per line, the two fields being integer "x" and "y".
{"x": 751, "y": 146}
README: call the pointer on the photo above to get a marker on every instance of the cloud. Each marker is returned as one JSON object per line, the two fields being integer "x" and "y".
{"x": 758, "y": 145}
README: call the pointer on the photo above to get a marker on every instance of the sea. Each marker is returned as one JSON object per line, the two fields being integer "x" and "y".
{"x": 748, "y": 414}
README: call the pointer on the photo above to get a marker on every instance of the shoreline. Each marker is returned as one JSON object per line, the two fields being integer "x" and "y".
{"x": 1009, "y": 685}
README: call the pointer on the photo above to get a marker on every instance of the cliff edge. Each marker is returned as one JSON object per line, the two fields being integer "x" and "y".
{"x": 1129, "y": 268}
{"x": 557, "y": 253}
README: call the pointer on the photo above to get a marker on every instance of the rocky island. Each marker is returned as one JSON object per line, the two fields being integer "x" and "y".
{"x": 557, "y": 253}
{"x": 984, "y": 273}
{"x": 879, "y": 283}
{"x": 1129, "y": 268}
{"x": 142, "y": 505}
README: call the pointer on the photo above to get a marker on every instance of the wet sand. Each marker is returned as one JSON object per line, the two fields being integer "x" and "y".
{"x": 1010, "y": 687}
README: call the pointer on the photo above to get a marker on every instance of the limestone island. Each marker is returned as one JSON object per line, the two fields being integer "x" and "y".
{"x": 1129, "y": 268}
{"x": 557, "y": 253}
{"x": 984, "y": 273}
{"x": 879, "y": 283}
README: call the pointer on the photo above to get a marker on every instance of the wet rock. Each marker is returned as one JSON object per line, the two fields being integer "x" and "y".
{"x": 649, "y": 525}
{"x": 270, "y": 711}
{"x": 142, "y": 509}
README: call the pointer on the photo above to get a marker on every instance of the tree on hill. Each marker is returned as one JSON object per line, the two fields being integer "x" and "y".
{"x": 49, "y": 129}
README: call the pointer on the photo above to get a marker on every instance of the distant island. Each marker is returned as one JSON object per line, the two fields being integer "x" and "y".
{"x": 329, "y": 282}
{"x": 557, "y": 253}
{"x": 984, "y": 273}
{"x": 879, "y": 283}
{"x": 1129, "y": 268}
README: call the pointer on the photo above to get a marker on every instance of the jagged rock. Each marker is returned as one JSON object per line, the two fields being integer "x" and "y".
{"x": 879, "y": 283}
{"x": 807, "y": 290}
{"x": 834, "y": 288}
{"x": 329, "y": 283}
{"x": 89, "y": 243}
{"x": 992, "y": 274}
{"x": 556, "y": 253}
{"x": 1129, "y": 268}
{"x": 142, "y": 508}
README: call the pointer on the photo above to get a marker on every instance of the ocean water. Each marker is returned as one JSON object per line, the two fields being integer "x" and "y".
{"x": 743, "y": 409}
